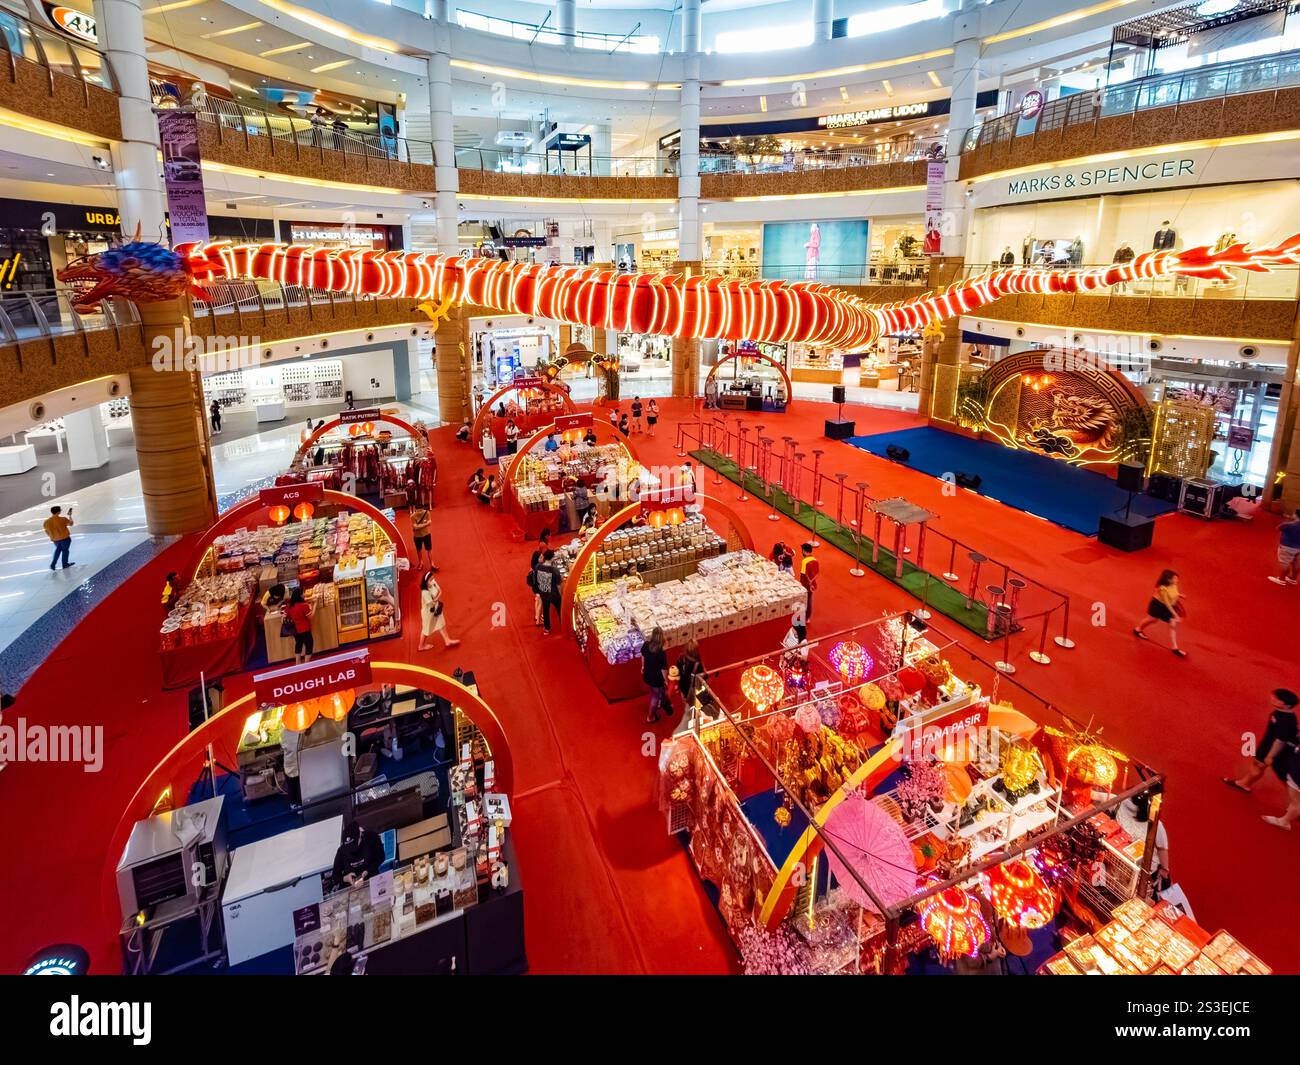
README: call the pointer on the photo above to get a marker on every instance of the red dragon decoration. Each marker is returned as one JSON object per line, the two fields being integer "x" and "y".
{"x": 672, "y": 304}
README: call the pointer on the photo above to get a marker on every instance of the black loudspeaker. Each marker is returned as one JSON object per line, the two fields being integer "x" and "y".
{"x": 839, "y": 429}
{"x": 898, "y": 454}
{"x": 1131, "y": 533}
{"x": 837, "y": 394}
{"x": 1129, "y": 477}
{"x": 969, "y": 480}
{"x": 1165, "y": 486}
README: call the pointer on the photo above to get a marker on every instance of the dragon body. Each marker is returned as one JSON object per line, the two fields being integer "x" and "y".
{"x": 672, "y": 304}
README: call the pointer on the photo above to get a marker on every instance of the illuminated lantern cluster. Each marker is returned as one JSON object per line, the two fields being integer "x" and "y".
{"x": 1038, "y": 381}
{"x": 952, "y": 918}
{"x": 687, "y": 306}
{"x": 301, "y": 715}
{"x": 1019, "y": 895}
{"x": 762, "y": 685}
{"x": 851, "y": 661}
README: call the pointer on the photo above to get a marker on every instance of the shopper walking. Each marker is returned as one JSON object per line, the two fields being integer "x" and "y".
{"x": 638, "y": 414}
{"x": 432, "y": 615}
{"x": 59, "y": 529}
{"x": 1288, "y": 551}
{"x": 624, "y": 426}
{"x": 547, "y": 581}
{"x": 214, "y": 415}
{"x": 1277, "y": 747}
{"x": 299, "y": 613}
{"x": 543, "y": 545}
{"x": 512, "y": 437}
{"x": 652, "y": 417}
{"x": 654, "y": 671}
{"x": 809, "y": 570}
{"x": 613, "y": 417}
{"x": 690, "y": 672}
{"x": 1166, "y": 605}
{"x": 422, "y": 530}
{"x": 1291, "y": 814}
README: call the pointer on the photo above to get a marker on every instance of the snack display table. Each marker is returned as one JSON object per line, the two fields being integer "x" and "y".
{"x": 181, "y": 665}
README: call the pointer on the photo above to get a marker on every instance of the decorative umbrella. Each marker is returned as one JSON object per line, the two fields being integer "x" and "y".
{"x": 875, "y": 847}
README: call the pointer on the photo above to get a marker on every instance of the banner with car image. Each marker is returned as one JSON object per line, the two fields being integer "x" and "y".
{"x": 183, "y": 176}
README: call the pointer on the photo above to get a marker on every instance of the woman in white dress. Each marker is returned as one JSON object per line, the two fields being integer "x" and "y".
{"x": 488, "y": 442}
{"x": 432, "y": 617}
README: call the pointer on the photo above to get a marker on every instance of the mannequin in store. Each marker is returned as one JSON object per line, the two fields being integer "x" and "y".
{"x": 1008, "y": 257}
{"x": 1165, "y": 237}
{"x": 1123, "y": 254}
{"x": 1076, "y": 252}
{"x": 1027, "y": 250}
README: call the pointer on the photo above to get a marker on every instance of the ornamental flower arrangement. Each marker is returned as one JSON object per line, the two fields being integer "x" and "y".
{"x": 922, "y": 788}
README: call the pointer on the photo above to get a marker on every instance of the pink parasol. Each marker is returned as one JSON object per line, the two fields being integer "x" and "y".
{"x": 874, "y": 845}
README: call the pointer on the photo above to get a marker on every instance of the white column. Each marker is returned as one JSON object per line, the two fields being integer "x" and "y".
{"x": 688, "y": 181}
{"x": 120, "y": 26}
{"x": 823, "y": 18}
{"x": 87, "y": 441}
{"x": 446, "y": 178}
{"x": 566, "y": 16}
{"x": 965, "y": 87}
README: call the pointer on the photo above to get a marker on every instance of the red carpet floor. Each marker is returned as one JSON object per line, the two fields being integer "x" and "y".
{"x": 607, "y": 889}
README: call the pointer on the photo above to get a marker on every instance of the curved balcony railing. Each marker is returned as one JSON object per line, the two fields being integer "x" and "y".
{"x": 913, "y": 271}
{"x": 1280, "y": 71}
{"x": 46, "y": 312}
{"x": 793, "y": 162}
{"x": 60, "y": 56}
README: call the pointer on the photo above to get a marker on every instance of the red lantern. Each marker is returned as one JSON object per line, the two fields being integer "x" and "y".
{"x": 676, "y": 516}
{"x": 762, "y": 686}
{"x": 953, "y": 920}
{"x": 299, "y": 716}
{"x": 354, "y": 430}
{"x": 303, "y": 511}
{"x": 1019, "y": 894}
{"x": 657, "y": 519}
{"x": 279, "y": 514}
{"x": 368, "y": 428}
{"x": 335, "y": 707}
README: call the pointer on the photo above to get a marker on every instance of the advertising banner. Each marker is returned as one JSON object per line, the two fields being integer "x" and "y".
{"x": 290, "y": 495}
{"x": 310, "y": 680}
{"x": 832, "y": 252}
{"x": 183, "y": 176}
{"x": 936, "y": 171}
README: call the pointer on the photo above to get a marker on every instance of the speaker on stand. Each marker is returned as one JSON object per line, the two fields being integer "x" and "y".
{"x": 1128, "y": 532}
{"x": 837, "y": 428}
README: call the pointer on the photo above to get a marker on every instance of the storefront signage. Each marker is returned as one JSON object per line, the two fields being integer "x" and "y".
{"x": 523, "y": 242}
{"x": 1118, "y": 177}
{"x": 290, "y": 495}
{"x": 565, "y": 422}
{"x": 56, "y": 217}
{"x": 62, "y": 959}
{"x": 310, "y": 680}
{"x": 878, "y": 114}
{"x": 1032, "y": 103}
{"x": 72, "y": 22}
{"x": 187, "y": 208}
{"x": 356, "y": 417}
{"x": 527, "y": 382}
{"x": 953, "y": 730}
{"x": 569, "y": 142}
{"x": 354, "y": 236}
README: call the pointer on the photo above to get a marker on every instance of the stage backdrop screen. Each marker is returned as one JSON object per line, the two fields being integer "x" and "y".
{"x": 832, "y": 252}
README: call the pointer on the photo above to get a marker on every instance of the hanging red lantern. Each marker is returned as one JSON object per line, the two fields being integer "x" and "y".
{"x": 952, "y": 918}
{"x": 354, "y": 429}
{"x": 851, "y": 660}
{"x": 676, "y": 516}
{"x": 279, "y": 514}
{"x": 299, "y": 716}
{"x": 303, "y": 511}
{"x": 368, "y": 428}
{"x": 762, "y": 686}
{"x": 336, "y": 706}
{"x": 1019, "y": 894}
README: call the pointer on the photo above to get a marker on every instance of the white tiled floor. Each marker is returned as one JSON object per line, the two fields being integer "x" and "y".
{"x": 110, "y": 522}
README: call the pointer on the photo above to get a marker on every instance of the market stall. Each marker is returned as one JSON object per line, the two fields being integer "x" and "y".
{"x": 748, "y": 380}
{"x": 442, "y": 893}
{"x": 558, "y": 473}
{"x": 879, "y": 800}
{"x": 529, "y": 402}
{"x": 686, "y": 566}
{"x": 359, "y": 452}
{"x": 343, "y": 552}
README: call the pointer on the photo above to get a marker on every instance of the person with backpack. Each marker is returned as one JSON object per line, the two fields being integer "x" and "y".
{"x": 547, "y": 583}
{"x": 543, "y": 543}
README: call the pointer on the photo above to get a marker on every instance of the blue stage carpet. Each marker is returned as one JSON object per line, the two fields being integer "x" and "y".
{"x": 1043, "y": 486}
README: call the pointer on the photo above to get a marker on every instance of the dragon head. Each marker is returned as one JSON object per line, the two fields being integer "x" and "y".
{"x": 140, "y": 271}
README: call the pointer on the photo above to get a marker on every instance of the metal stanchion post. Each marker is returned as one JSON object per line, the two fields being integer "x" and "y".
{"x": 950, "y": 574}
{"x": 817, "y": 478}
{"x": 995, "y": 608}
{"x": 722, "y": 454}
{"x": 771, "y": 484}
{"x": 839, "y": 505}
{"x": 972, "y": 592}
{"x": 923, "y": 611}
{"x": 1040, "y": 655}
{"x": 1005, "y": 665}
{"x": 1017, "y": 586}
{"x": 740, "y": 462}
{"x": 794, "y": 482}
{"x": 857, "y": 570}
{"x": 786, "y": 452}
{"x": 1064, "y": 639}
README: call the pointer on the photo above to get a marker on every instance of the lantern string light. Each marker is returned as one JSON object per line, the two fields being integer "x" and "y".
{"x": 1019, "y": 895}
{"x": 694, "y": 306}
